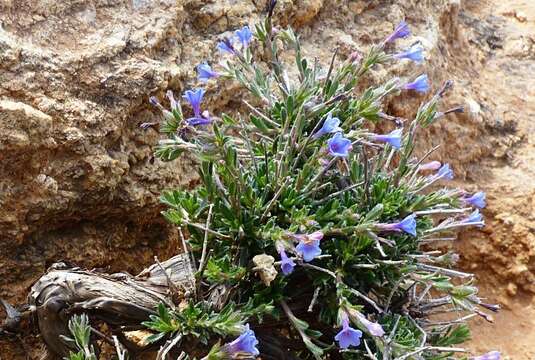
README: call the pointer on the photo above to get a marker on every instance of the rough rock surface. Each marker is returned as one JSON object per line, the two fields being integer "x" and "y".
{"x": 78, "y": 181}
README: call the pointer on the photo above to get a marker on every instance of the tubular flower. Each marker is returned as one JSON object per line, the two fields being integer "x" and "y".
{"x": 401, "y": 31}
{"x": 348, "y": 336}
{"x": 374, "y": 328}
{"x": 408, "y": 225}
{"x": 225, "y": 47}
{"x": 393, "y": 138}
{"x": 420, "y": 84}
{"x": 493, "y": 355}
{"x": 287, "y": 264}
{"x": 330, "y": 125}
{"x": 172, "y": 101}
{"x": 194, "y": 97}
{"x": 205, "y": 72}
{"x": 338, "y": 145}
{"x": 477, "y": 200}
{"x": 153, "y": 100}
{"x": 474, "y": 218}
{"x": 309, "y": 245}
{"x": 244, "y": 35}
{"x": 414, "y": 53}
{"x": 432, "y": 165}
{"x": 244, "y": 344}
{"x": 445, "y": 172}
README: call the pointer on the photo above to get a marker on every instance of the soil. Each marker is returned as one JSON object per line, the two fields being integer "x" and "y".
{"x": 503, "y": 253}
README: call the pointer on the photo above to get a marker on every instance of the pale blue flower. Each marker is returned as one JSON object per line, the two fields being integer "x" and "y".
{"x": 477, "y": 200}
{"x": 287, "y": 264}
{"x": 348, "y": 336}
{"x": 445, "y": 172}
{"x": 475, "y": 217}
{"x": 244, "y": 35}
{"x": 205, "y": 72}
{"x": 373, "y": 328}
{"x": 338, "y": 145}
{"x": 309, "y": 245}
{"x": 420, "y": 84}
{"x": 432, "y": 165}
{"x": 245, "y": 343}
{"x": 401, "y": 31}
{"x": 153, "y": 100}
{"x": 493, "y": 355}
{"x": 414, "y": 53}
{"x": 330, "y": 125}
{"x": 393, "y": 138}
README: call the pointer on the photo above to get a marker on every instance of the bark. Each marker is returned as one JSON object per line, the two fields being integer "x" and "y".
{"x": 120, "y": 300}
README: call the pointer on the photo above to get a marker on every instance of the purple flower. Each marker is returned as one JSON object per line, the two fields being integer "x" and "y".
{"x": 348, "y": 336}
{"x": 309, "y": 245}
{"x": 493, "y": 355}
{"x": 244, "y": 35}
{"x": 374, "y": 328}
{"x": 477, "y": 200}
{"x": 408, "y": 225}
{"x": 414, "y": 53}
{"x": 393, "y": 138}
{"x": 330, "y": 125}
{"x": 420, "y": 84}
{"x": 338, "y": 145}
{"x": 445, "y": 172}
{"x": 401, "y": 31}
{"x": 245, "y": 343}
{"x": 475, "y": 217}
{"x": 432, "y": 165}
{"x": 153, "y": 100}
{"x": 225, "y": 47}
{"x": 287, "y": 264}
{"x": 205, "y": 72}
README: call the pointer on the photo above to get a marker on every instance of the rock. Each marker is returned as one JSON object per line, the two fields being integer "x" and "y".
{"x": 78, "y": 179}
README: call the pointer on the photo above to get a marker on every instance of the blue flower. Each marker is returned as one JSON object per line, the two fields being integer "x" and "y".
{"x": 194, "y": 97}
{"x": 420, "y": 84}
{"x": 474, "y": 217}
{"x": 393, "y": 138}
{"x": 401, "y": 31}
{"x": 244, "y": 35}
{"x": 330, "y": 125}
{"x": 205, "y": 72}
{"x": 348, "y": 336}
{"x": 445, "y": 172}
{"x": 477, "y": 200}
{"x": 339, "y": 146}
{"x": 415, "y": 53}
{"x": 287, "y": 264}
{"x": 198, "y": 121}
{"x": 309, "y": 245}
{"x": 493, "y": 355}
{"x": 408, "y": 225}
{"x": 153, "y": 100}
{"x": 225, "y": 47}
{"x": 245, "y": 343}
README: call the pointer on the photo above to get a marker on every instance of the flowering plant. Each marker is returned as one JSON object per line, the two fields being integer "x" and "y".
{"x": 310, "y": 232}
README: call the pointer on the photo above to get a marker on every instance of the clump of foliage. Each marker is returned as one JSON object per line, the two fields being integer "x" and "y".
{"x": 308, "y": 230}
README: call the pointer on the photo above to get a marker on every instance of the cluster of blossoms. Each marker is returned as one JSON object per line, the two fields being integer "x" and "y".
{"x": 358, "y": 230}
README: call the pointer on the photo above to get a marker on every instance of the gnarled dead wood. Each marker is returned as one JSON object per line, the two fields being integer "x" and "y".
{"x": 120, "y": 300}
